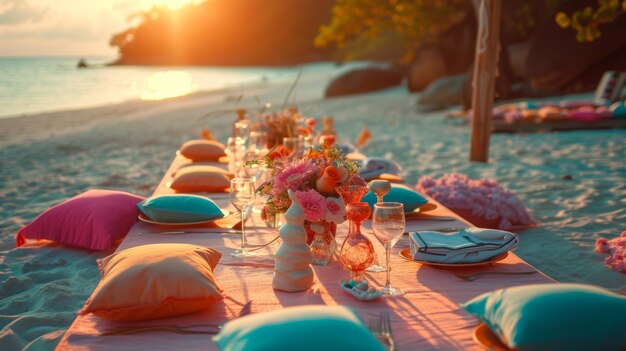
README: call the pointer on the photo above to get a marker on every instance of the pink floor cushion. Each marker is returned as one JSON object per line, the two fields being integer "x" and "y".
{"x": 616, "y": 248}
{"x": 93, "y": 220}
{"x": 483, "y": 202}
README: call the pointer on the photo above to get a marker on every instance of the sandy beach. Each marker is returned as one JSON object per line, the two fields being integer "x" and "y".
{"x": 49, "y": 157}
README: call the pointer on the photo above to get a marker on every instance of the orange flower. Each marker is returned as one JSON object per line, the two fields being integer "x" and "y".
{"x": 326, "y": 184}
{"x": 279, "y": 151}
{"x": 327, "y": 140}
{"x": 329, "y": 179}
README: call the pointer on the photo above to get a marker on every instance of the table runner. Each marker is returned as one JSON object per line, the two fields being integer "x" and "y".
{"x": 427, "y": 317}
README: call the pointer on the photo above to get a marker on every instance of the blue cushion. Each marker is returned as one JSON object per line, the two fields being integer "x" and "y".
{"x": 399, "y": 193}
{"x": 180, "y": 208}
{"x": 302, "y": 328}
{"x": 554, "y": 317}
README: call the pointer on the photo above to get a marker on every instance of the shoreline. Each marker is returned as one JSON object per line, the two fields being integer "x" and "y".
{"x": 18, "y": 129}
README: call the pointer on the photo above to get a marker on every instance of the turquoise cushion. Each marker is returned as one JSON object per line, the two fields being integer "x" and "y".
{"x": 180, "y": 208}
{"x": 301, "y": 328}
{"x": 399, "y": 193}
{"x": 554, "y": 317}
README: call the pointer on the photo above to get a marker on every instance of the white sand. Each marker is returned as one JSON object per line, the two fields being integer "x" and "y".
{"x": 49, "y": 157}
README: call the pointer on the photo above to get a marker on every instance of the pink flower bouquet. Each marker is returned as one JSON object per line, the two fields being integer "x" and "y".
{"x": 314, "y": 179}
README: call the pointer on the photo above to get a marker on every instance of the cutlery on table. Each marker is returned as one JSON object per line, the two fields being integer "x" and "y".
{"x": 431, "y": 218}
{"x": 472, "y": 277}
{"x": 213, "y": 328}
{"x": 381, "y": 328}
{"x": 204, "y": 231}
{"x": 449, "y": 229}
{"x": 190, "y": 329}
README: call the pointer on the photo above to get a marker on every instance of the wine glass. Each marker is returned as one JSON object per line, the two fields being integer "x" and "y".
{"x": 242, "y": 196}
{"x": 242, "y": 129}
{"x": 235, "y": 150}
{"x": 388, "y": 225}
{"x": 291, "y": 145}
{"x": 258, "y": 142}
{"x": 380, "y": 188}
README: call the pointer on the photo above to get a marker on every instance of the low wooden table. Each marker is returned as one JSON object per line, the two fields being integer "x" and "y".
{"x": 427, "y": 317}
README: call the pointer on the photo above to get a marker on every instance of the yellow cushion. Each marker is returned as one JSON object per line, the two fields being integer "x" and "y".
{"x": 196, "y": 179}
{"x": 155, "y": 281}
{"x": 202, "y": 150}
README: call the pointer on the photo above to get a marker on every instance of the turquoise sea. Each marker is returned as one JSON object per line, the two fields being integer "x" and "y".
{"x": 41, "y": 84}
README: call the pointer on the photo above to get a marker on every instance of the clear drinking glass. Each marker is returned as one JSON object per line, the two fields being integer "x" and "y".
{"x": 235, "y": 151}
{"x": 258, "y": 142}
{"x": 242, "y": 196}
{"x": 380, "y": 188}
{"x": 291, "y": 146}
{"x": 388, "y": 225}
{"x": 242, "y": 128}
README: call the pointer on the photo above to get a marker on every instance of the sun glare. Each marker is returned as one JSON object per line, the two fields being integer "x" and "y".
{"x": 167, "y": 84}
{"x": 171, "y": 4}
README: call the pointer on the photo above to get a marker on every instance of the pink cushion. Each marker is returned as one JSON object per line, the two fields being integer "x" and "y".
{"x": 92, "y": 220}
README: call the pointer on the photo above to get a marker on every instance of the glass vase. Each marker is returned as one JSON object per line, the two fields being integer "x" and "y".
{"x": 321, "y": 231}
{"x": 320, "y": 251}
{"x": 357, "y": 252}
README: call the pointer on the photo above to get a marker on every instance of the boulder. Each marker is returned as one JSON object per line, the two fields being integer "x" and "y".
{"x": 363, "y": 80}
{"x": 428, "y": 66}
{"x": 442, "y": 93}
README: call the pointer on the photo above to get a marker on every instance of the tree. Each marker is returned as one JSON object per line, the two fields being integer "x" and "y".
{"x": 586, "y": 22}
{"x": 360, "y": 28}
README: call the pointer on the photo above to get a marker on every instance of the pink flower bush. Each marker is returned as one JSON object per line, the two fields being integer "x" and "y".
{"x": 616, "y": 248}
{"x": 482, "y": 198}
{"x": 313, "y": 204}
{"x": 335, "y": 210}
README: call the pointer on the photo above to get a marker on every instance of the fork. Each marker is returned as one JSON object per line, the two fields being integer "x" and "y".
{"x": 180, "y": 330}
{"x": 381, "y": 328}
{"x": 472, "y": 277}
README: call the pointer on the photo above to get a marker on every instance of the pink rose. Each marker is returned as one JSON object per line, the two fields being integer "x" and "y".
{"x": 313, "y": 204}
{"x": 335, "y": 210}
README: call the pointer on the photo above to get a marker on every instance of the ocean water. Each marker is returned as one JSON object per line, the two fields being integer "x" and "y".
{"x": 39, "y": 84}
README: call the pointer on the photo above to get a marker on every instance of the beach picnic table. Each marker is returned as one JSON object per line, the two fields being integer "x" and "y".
{"x": 427, "y": 317}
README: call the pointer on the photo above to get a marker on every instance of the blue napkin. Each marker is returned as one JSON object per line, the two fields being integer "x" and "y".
{"x": 468, "y": 245}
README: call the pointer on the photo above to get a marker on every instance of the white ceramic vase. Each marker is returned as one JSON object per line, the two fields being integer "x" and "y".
{"x": 292, "y": 262}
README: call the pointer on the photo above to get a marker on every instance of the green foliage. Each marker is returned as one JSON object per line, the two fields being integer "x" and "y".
{"x": 586, "y": 22}
{"x": 412, "y": 23}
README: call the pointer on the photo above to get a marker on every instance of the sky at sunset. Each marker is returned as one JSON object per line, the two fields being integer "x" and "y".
{"x": 66, "y": 27}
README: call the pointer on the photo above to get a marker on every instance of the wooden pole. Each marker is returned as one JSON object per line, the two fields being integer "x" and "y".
{"x": 485, "y": 66}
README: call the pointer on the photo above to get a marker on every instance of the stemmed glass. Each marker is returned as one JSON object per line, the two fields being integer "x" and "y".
{"x": 380, "y": 188}
{"x": 234, "y": 149}
{"x": 241, "y": 196}
{"x": 292, "y": 147}
{"x": 258, "y": 142}
{"x": 388, "y": 225}
{"x": 242, "y": 128}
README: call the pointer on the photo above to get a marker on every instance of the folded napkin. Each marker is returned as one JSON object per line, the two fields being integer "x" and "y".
{"x": 468, "y": 245}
